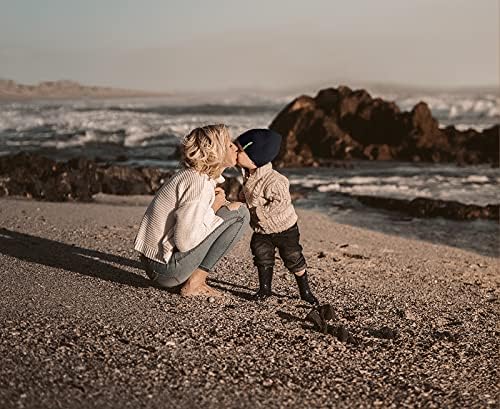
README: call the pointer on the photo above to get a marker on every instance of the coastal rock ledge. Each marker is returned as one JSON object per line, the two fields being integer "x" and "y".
{"x": 79, "y": 179}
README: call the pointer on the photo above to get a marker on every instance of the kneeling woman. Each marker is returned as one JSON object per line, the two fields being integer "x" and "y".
{"x": 189, "y": 225}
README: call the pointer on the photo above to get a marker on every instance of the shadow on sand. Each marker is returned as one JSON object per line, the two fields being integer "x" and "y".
{"x": 68, "y": 257}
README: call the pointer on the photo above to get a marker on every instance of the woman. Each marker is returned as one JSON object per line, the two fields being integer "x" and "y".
{"x": 189, "y": 225}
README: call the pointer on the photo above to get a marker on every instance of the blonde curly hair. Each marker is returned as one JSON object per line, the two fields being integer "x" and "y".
{"x": 204, "y": 149}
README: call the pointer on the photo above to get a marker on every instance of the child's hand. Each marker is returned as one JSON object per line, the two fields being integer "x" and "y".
{"x": 241, "y": 196}
{"x": 220, "y": 199}
{"x": 253, "y": 217}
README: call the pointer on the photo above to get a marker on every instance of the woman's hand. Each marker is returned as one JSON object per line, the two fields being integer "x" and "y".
{"x": 220, "y": 199}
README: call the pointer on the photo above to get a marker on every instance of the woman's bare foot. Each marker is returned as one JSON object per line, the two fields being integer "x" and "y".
{"x": 196, "y": 286}
{"x": 202, "y": 291}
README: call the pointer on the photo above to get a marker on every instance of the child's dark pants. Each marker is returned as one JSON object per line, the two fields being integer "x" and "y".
{"x": 288, "y": 243}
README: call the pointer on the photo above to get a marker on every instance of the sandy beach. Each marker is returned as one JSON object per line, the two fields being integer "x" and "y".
{"x": 82, "y": 327}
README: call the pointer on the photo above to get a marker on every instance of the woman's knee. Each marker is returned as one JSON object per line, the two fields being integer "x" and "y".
{"x": 228, "y": 213}
{"x": 244, "y": 212}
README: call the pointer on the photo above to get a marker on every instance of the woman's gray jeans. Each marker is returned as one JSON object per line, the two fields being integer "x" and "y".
{"x": 205, "y": 255}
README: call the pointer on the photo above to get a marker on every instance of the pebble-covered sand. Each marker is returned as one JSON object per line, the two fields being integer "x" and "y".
{"x": 81, "y": 326}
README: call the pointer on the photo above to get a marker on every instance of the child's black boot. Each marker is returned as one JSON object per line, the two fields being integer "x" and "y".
{"x": 305, "y": 292}
{"x": 265, "y": 278}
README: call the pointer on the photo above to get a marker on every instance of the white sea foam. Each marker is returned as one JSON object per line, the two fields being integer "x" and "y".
{"x": 477, "y": 179}
{"x": 464, "y": 112}
{"x": 31, "y": 121}
{"x": 472, "y": 188}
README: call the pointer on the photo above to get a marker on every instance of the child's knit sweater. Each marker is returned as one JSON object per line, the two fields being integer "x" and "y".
{"x": 267, "y": 194}
{"x": 179, "y": 216}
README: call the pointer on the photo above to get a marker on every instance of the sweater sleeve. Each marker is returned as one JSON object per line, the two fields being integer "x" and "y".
{"x": 277, "y": 196}
{"x": 195, "y": 218}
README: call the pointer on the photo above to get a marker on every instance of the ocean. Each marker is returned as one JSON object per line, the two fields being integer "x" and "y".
{"x": 146, "y": 131}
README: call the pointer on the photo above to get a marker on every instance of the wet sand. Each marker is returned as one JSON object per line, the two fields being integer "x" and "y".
{"x": 81, "y": 326}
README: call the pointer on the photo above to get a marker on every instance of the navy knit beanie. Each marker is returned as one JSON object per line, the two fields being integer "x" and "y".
{"x": 261, "y": 145}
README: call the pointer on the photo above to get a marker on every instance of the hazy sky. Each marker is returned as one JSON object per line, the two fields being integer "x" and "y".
{"x": 220, "y": 44}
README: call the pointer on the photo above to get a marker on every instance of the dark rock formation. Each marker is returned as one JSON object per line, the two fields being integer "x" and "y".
{"x": 42, "y": 178}
{"x": 79, "y": 179}
{"x": 340, "y": 123}
{"x": 123, "y": 180}
{"x": 423, "y": 207}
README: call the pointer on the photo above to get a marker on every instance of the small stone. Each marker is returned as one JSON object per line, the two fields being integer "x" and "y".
{"x": 384, "y": 333}
{"x": 444, "y": 335}
{"x": 211, "y": 299}
{"x": 267, "y": 383}
{"x": 409, "y": 315}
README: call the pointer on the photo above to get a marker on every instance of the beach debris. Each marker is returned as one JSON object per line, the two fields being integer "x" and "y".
{"x": 314, "y": 317}
{"x": 384, "y": 333}
{"x": 444, "y": 335}
{"x": 355, "y": 256}
{"x": 341, "y": 333}
{"x": 319, "y": 317}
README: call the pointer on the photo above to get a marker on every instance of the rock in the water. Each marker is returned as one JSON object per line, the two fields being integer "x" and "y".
{"x": 424, "y": 207}
{"x": 35, "y": 176}
{"x": 340, "y": 123}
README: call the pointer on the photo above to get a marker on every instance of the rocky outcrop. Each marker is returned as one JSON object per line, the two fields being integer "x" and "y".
{"x": 423, "y": 207}
{"x": 79, "y": 179}
{"x": 340, "y": 123}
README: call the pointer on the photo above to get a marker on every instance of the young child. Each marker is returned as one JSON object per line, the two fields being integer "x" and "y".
{"x": 273, "y": 216}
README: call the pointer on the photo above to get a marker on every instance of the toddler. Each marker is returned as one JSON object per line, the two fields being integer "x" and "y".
{"x": 273, "y": 216}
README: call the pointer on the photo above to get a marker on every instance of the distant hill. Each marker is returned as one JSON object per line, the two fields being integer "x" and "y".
{"x": 65, "y": 89}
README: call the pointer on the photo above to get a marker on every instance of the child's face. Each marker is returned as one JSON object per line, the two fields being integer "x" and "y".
{"x": 243, "y": 160}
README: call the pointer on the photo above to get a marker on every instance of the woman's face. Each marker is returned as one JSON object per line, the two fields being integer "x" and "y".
{"x": 231, "y": 155}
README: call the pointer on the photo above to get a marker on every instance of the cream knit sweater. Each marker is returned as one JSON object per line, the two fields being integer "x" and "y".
{"x": 179, "y": 216}
{"x": 267, "y": 194}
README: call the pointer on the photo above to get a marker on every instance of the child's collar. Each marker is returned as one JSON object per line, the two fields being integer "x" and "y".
{"x": 262, "y": 170}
